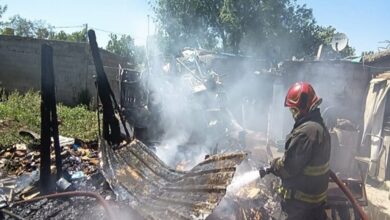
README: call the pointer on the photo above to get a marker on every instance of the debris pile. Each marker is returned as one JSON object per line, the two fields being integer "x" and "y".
{"x": 21, "y": 158}
{"x": 131, "y": 172}
{"x": 19, "y": 182}
{"x": 76, "y": 207}
{"x": 20, "y": 167}
{"x": 254, "y": 200}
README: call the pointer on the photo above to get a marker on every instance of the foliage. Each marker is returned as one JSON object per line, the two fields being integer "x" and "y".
{"x": 3, "y": 9}
{"x": 78, "y": 122}
{"x": 187, "y": 23}
{"x": 77, "y": 36}
{"x": 24, "y": 111}
{"x": 19, "y": 26}
{"x": 272, "y": 29}
{"x": 123, "y": 46}
{"x": 27, "y": 28}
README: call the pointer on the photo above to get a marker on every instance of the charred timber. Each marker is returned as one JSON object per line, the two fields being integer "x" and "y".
{"x": 111, "y": 129}
{"x": 49, "y": 122}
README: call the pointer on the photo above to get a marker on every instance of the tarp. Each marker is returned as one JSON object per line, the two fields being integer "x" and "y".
{"x": 373, "y": 120}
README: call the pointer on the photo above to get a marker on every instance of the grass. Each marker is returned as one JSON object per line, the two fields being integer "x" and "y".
{"x": 23, "y": 111}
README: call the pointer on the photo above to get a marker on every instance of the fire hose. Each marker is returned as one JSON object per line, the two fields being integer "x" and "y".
{"x": 349, "y": 195}
{"x": 70, "y": 194}
{"x": 267, "y": 169}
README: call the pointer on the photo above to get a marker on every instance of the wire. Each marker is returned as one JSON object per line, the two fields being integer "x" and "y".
{"x": 78, "y": 26}
{"x": 106, "y": 31}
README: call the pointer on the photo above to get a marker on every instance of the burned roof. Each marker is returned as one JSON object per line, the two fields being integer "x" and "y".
{"x": 156, "y": 191}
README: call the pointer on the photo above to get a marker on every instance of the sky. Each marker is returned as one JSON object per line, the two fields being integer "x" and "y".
{"x": 364, "y": 22}
{"x": 117, "y": 16}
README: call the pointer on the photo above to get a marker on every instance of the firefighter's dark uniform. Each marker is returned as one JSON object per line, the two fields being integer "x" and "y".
{"x": 304, "y": 169}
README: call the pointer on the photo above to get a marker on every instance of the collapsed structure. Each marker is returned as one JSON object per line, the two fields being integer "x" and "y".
{"x": 228, "y": 101}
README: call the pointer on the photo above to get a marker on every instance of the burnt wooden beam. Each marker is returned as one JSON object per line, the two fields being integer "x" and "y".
{"x": 46, "y": 61}
{"x": 49, "y": 121}
{"x": 111, "y": 129}
{"x": 54, "y": 123}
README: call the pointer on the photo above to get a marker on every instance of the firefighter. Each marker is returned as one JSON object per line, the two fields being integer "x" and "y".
{"x": 304, "y": 167}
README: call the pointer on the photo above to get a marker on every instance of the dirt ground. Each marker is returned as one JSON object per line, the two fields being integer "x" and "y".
{"x": 379, "y": 202}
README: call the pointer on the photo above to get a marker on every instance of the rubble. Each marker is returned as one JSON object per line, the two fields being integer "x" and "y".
{"x": 20, "y": 158}
{"x": 20, "y": 168}
{"x": 76, "y": 207}
{"x": 80, "y": 163}
{"x": 138, "y": 176}
{"x": 255, "y": 200}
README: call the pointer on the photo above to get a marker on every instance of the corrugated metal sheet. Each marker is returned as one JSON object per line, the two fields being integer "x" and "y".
{"x": 158, "y": 192}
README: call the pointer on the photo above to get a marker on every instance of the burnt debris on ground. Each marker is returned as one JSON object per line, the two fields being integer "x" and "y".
{"x": 124, "y": 174}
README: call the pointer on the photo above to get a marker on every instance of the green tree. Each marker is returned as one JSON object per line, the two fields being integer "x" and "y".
{"x": 19, "y": 26}
{"x": 188, "y": 23}
{"x": 273, "y": 29}
{"x": 77, "y": 36}
{"x": 123, "y": 46}
{"x": 3, "y": 9}
{"x": 27, "y": 28}
{"x": 59, "y": 36}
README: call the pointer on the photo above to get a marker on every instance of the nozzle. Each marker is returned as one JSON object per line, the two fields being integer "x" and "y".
{"x": 265, "y": 170}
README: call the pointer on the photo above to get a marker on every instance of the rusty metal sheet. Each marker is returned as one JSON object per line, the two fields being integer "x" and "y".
{"x": 156, "y": 191}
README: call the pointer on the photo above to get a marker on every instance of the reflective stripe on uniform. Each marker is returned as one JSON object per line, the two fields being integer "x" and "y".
{"x": 316, "y": 170}
{"x": 283, "y": 192}
{"x": 299, "y": 195}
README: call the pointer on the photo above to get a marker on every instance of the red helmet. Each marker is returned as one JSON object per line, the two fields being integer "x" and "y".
{"x": 301, "y": 97}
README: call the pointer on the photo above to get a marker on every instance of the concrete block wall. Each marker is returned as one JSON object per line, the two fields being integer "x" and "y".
{"x": 20, "y": 67}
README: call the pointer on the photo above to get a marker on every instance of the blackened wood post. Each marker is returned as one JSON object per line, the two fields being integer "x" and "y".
{"x": 54, "y": 118}
{"x": 49, "y": 121}
{"x": 111, "y": 130}
{"x": 46, "y": 61}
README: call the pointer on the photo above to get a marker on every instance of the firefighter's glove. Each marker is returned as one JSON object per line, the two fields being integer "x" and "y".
{"x": 276, "y": 163}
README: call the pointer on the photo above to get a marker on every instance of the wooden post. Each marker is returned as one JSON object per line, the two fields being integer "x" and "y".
{"x": 49, "y": 122}
{"x": 46, "y": 61}
{"x": 111, "y": 129}
{"x": 54, "y": 121}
